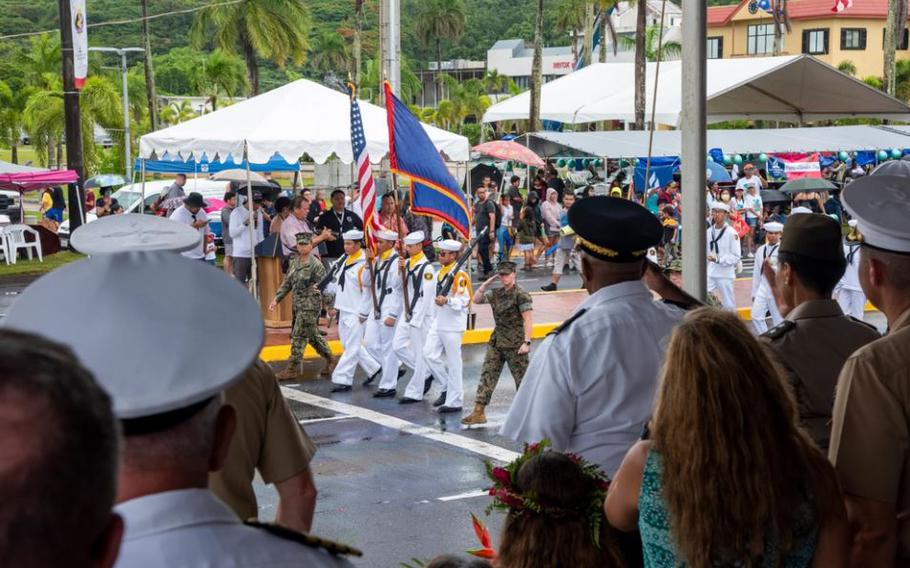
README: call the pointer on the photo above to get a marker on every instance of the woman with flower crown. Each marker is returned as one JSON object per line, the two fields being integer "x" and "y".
{"x": 728, "y": 478}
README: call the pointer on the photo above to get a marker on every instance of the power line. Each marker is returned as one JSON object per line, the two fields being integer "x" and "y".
{"x": 132, "y": 20}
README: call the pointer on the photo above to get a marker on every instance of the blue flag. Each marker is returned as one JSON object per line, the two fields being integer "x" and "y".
{"x": 659, "y": 175}
{"x": 434, "y": 191}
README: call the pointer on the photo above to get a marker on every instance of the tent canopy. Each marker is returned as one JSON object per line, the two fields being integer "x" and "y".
{"x": 634, "y": 144}
{"x": 204, "y": 166}
{"x": 299, "y": 118}
{"x": 790, "y": 88}
{"x": 26, "y": 178}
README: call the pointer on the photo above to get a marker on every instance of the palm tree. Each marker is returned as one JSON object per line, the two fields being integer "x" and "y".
{"x": 358, "y": 32}
{"x": 12, "y": 105}
{"x": 42, "y": 61}
{"x": 571, "y": 17}
{"x": 277, "y": 30}
{"x": 781, "y": 18}
{"x": 641, "y": 24}
{"x": 496, "y": 82}
{"x": 149, "y": 69}
{"x": 536, "y": 70}
{"x": 606, "y": 25}
{"x": 222, "y": 74}
{"x": 667, "y": 49}
{"x": 437, "y": 20}
{"x": 176, "y": 113}
{"x": 894, "y": 27}
{"x": 372, "y": 82}
{"x": 329, "y": 53}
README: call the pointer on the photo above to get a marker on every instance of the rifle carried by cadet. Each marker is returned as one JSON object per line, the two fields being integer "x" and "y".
{"x": 445, "y": 285}
{"x": 333, "y": 271}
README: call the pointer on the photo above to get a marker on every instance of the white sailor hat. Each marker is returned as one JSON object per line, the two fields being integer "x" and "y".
{"x": 881, "y": 204}
{"x": 119, "y": 233}
{"x": 386, "y": 235}
{"x": 800, "y": 210}
{"x": 719, "y": 206}
{"x": 852, "y": 223}
{"x": 774, "y": 227}
{"x": 352, "y": 235}
{"x": 450, "y": 245}
{"x": 414, "y": 238}
{"x": 169, "y": 333}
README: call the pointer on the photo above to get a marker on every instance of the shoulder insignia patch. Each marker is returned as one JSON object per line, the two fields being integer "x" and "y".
{"x": 779, "y": 330}
{"x": 867, "y": 324}
{"x": 559, "y": 329}
{"x": 428, "y": 276}
{"x": 305, "y": 539}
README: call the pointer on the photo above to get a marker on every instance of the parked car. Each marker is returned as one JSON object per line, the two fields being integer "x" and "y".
{"x": 11, "y": 205}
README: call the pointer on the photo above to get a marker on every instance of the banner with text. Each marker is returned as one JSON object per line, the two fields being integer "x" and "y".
{"x": 795, "y": 165}
{"x": 80, "y": 41}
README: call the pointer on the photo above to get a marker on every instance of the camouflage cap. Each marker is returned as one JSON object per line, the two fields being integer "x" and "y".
{"x": 506, "y": 267}
{"x": 675, "y": 265}
{"x": 304, "y": 238}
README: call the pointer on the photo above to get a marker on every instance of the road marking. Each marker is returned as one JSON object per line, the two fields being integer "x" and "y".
{"x": 467, "y": 495}
{"x": 326, "y": 419}
{"x": 462, "y": 442}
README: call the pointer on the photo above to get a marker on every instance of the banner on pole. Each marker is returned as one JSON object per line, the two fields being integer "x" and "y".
{"x": 796, "y": 165}
{"x": 80, "y": 41}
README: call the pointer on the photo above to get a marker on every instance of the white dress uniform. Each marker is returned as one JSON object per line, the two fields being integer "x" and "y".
{"x": 724, "y": 244}
{"x": 593, "y": 396}
{"x": 443, "y": 345}
{"x": 379, "y": 336}
{"x": 849, "y": 292}
{"x": 763, "y": 300}
{"x": 353, "y": 300}
{"x": 191, "y": 528}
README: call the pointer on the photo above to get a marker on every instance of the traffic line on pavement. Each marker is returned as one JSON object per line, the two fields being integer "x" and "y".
{"x": 461, "y": 442}
{"x": 325, "y": 419}
{"x": 466, "y": 495}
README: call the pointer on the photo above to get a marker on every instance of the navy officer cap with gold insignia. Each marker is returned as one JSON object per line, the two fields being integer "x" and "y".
{"x": 614, "y": 229}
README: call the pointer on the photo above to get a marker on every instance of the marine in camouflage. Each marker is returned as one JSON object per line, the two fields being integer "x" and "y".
{"x": 302, "y": 280}
{"x": 507, "y": 338}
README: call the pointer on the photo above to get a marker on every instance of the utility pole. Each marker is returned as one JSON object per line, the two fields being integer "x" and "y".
{"x": 149, "y": 69}
{"x": 391, "y": 43}
{"x": 127, "y": 151}
{"x": 72, "y": 124}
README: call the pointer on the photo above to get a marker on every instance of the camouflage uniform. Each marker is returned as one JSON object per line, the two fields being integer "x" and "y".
{"x": 508, "y": 336}
{"x": 302, "y": 278}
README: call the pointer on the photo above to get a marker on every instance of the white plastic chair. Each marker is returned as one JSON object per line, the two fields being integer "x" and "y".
{"x": 15, "y": 240}
{"x": 3, "y": 248}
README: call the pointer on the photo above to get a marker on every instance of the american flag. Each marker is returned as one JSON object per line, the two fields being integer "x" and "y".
{"x": 364, "y": 175}
{"x": 841, "y": 5}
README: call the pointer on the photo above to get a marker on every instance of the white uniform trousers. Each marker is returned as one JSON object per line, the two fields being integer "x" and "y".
{"x": 409, "y": 345}
{"x": 724, "y": 287}
{"x": 443, "y": 354}
{"x": 350, "y": 332}
{"x": 763, "y": 304}
{"x": 379, "y": 341}
{"x": 853, "y": 302}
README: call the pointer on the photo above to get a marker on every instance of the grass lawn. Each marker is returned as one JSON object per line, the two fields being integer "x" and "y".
{"x": 34, "y": 267}
{"x": 26, "y": 153}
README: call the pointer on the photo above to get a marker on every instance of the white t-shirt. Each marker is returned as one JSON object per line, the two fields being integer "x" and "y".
{"x": 507, "y": 214}
{"x": 183, "y": 215}
{"x": 744, "y": 183}
{"x": 755, "y": 202}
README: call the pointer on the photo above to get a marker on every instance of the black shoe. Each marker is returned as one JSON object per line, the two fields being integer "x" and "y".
{"x": 449, "y": 409}
{"x": 401, "y": 371}
{"x": 441, "y": 400}
{"x": 549, "y": 287}
{"x": 407, "y": 400}
{"x": 341, "y": 388}
{"x": 384, "y": 393}
{"x": 372, "y": 377}
{"x": 427, "y": 384}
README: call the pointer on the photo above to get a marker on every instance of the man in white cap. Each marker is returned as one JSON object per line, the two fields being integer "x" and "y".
{"x": 412, "y": 330}
{"x": 763, "y": 301}
{"x": 192, "y": 213}
{"x": 724, "y": 253}
{"x": 849, "y": 292}
{"x": 353, "y": 302}
{"x": 800, "y": 210}
{"x": 169, "y": 400}
{"x": 380, "y": 331}
{"x": 443, "y": 345}
{"x": 869, "y": 430}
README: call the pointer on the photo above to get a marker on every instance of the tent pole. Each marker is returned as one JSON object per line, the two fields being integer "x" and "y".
{"x": 254, "y": 281}
{"x": 142, "y": 190}
{"x": 660, "y": 42}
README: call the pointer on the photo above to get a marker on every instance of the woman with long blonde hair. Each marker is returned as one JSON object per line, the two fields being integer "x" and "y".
{"x": 728, "y": 478}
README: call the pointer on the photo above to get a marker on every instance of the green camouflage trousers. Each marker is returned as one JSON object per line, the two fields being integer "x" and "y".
{"x": 493, "y": 362}
{"x": 306, "y": 330}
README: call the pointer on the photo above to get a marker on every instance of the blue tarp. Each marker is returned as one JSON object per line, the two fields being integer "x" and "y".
{"x": 177, "y": 166}
{"x": 659, "y": 175}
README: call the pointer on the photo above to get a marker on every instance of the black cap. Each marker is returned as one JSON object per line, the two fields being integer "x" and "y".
{"x": 614, "y": 229}
{"x": 814, "y": 236}
{"x": 195, "y": 200}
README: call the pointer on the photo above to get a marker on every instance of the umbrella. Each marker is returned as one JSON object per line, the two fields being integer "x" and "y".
{"x": 717, "y": 173}
{"x": 808, "y": 184}
{"x": 900, "y": 168}
{"x": 214, "y": 205}
{"x": 239, "y": 175}
{"x": 104, "y": 180}
{"x": 508, "y": 150}
{"x": 774, "y": 196}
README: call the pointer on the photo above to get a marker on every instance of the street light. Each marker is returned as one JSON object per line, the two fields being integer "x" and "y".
{"x": 126, "y": 101}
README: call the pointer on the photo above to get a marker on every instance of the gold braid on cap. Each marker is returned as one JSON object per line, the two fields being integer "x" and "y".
{"x": 604, "y": 250}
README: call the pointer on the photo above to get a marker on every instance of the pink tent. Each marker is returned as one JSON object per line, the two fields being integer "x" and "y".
{"x": 24, "y": 178}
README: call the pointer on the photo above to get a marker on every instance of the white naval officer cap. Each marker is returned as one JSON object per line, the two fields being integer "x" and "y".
{"x": 800, "y": 210}
{"x": 450, "y": 245}
{"x": 852, "y": 223}
{"x": 414, "y": 238}
{"x": 119, "y": 233}
{"x": 881, "y": 205}
{"x": 352, "y": 235}
{"x": 386, "y": 235}
{"x": 719, "y": 206}
{"x": 169, "y": 333}
{"x": 774, "y": 227}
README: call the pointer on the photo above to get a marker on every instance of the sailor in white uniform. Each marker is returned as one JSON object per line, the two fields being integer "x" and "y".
{"x": 169, "y": 400}
{"x": 443, "y": 345}
{"x": 763, "y": 300}
{"x": 590, "y": 384}
{"x": 848, "y": 292}
{"x": 413, "y": 330}
{"x": 353, "y": 302}
{"x": 380, "y": 331}
{"x": 724, "y": 253}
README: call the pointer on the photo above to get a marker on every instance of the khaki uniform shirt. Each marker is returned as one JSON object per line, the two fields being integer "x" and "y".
{"x": 812, "y": 345}
{"x": 870, "y": 435}
{"x": 268, "y": 438}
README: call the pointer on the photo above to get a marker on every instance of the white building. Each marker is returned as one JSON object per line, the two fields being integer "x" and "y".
{"x": 512, "y": 58}
{"x": 625, "y": 16}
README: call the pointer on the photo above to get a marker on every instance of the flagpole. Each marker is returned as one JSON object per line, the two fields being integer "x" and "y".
{"x": 660, "y": 41}
{"x": 254, "y": 280}
{"x": 402, "y": 271}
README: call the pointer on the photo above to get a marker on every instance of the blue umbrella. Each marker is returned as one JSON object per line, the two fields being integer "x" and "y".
{"x": 717, "y": 173}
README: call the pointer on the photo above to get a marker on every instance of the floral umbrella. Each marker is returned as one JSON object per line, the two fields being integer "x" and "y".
{"x": 508, "y": 150}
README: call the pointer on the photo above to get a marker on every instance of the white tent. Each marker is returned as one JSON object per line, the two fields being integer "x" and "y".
{"x": 791, "y": 88}
{"x": 299, "y": 118}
